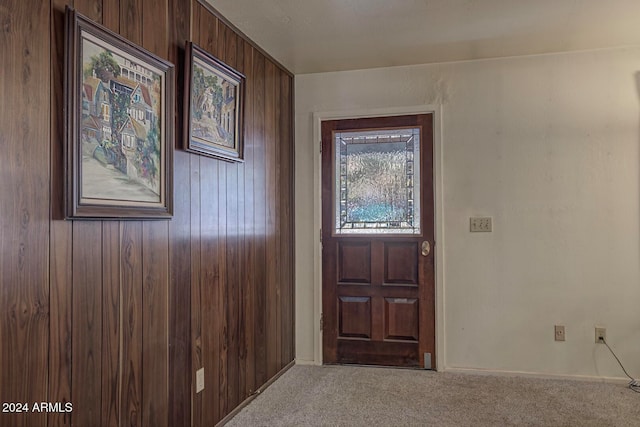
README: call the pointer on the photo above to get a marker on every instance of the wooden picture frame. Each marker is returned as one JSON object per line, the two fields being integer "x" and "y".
{"x": 214, "y": 106}
{"x": 119, "y": 126}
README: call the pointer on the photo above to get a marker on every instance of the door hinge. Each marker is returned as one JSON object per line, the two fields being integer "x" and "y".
{"x": 320, "y": 146}
{"x": 321, "y": 235}
{"x": 322, "y": 321}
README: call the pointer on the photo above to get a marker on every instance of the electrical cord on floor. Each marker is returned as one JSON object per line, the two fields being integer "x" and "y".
{"x": 633, "y": 384}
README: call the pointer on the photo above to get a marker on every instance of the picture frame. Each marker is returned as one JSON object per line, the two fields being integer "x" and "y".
{"x": 214, "y": 106}
{"x": 119, "y": 126}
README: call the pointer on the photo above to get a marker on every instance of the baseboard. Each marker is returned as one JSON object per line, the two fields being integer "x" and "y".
{"x": 248, "y": 400}
{"x": 477, "y": 371}
{"x": 307, "y": 362}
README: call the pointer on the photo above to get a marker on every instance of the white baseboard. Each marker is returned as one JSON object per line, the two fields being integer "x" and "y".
{"x": 307, "y": 362}
{"x": 476, "y": 371}
{"x": 497, "y": 372}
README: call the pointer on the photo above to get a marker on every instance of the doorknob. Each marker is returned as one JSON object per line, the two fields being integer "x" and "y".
{"x": 426, "y": 248}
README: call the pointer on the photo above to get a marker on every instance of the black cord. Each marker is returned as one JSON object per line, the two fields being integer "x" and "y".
{"x": 633, "y": 384}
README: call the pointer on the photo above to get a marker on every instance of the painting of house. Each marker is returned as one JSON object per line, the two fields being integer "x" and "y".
{"x": 96, "y": 103}
{"x": 141, "y": 108}
{"x": 136, "y": 72}
{"x": 228, "y": 113}
{"x": 133, "y": 136}
{"x": 91, "y": 130}
{"x": 214, "y": 106}
{"x": 120, "y": 126}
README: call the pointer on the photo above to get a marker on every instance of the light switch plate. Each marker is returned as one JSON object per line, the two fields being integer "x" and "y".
{"x": 199, "y": 380}
{"x": 481, "y": 224}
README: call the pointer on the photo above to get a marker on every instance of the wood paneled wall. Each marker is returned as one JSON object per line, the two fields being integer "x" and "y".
{"x": 116, "y": 316}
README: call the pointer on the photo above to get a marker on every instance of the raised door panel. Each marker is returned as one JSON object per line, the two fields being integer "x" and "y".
{"x": 354, "y": 262}
{"x": 401, "y": 319}
{"x": 354, "y": 317}
{"x": 401, "y": 263}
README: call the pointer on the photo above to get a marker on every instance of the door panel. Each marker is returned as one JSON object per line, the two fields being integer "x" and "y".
{"x": 354, "y": 260}
{"x": 378, "y": 288}
{"x": 354, "y": 314}
{"x": 401, "y": 263}
{"x": 401, "y": 319}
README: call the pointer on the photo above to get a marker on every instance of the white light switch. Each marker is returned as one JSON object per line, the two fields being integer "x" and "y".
{"x": 199, "y": 380}
{"x": 481, "y": 224}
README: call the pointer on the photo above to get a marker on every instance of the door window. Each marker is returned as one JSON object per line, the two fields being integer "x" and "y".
{"x": 377, "y": 181}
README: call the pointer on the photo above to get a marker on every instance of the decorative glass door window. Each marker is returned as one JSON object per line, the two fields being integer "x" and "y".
{"x": 377, "y": 181}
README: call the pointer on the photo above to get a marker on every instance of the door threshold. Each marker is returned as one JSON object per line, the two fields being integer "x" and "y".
{"x": 413, "y": 368}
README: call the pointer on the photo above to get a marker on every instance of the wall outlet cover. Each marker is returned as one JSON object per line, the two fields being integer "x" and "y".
{"x": 481, "y": 224}
{"x": 199, "y": 380}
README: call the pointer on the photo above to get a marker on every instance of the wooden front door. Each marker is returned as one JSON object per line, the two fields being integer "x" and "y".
{"x": 377, "y": 241}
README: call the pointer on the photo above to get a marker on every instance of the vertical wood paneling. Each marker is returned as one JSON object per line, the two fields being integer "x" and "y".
{"x": 111, "y": 289}
{"x": 260, "y": 200}
{"x": 131, "y": 20}
{"x": 223, "y": 294}
{"x": 155, "y": 350}
{"x": 154, "y": 26}
{"x": 248, "y": 277}
{"x": 195, "y": 203}
{"x": 232, "y": 273}
{"x": 272, "y": 334}
{"x": 239, "y": 236}
{"x": 211, "y": 293}
{"x": 211, "y": 304}
{"x": 111, "y": 15}
{"x": 155, "y": 262}
{"x": 207, "y": 30}
{"x": 87, "y": 322}
{"x": 131, "y": 398}
{"x": 92, "y": 9}
{"x": 87, "y": 297}
{"x": 286, "y": 218}
{"x": 136, "y": 307}
{"x": 113, "y": 307}
{"x": 111, "y": 324}
{"x": 277, "y": 217}
{"x": 196, "y": 310}
{"x": 131, "y": 265}
{"x": 60, "y": 245}
{"x": 24, "y": 211}
{"x": 180, "y": 390}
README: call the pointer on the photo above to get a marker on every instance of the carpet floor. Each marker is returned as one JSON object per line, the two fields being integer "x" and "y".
{"x": 367, "y": 396}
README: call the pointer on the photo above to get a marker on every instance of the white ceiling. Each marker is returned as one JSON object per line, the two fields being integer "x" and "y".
{"x": 309, "y": 36}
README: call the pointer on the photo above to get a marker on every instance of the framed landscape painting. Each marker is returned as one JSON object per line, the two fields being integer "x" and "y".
{"x": 214, "y": 95}
{"x": 119, "y": 126}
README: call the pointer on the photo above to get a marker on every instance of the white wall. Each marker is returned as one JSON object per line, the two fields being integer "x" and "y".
{"x": 549, "y": 147}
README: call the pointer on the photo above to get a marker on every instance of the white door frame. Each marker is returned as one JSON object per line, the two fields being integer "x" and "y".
{"x": 318, "y": 117}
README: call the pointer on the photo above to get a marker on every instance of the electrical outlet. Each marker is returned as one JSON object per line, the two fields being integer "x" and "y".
{"x": 601, "y": 335}
{"x": 199, "y": 380}
{"x": 559, "y": 329}
{"x": 480, "y": 224}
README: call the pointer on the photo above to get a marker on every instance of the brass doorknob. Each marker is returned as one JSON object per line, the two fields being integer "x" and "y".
{"x": 426, "y": 248}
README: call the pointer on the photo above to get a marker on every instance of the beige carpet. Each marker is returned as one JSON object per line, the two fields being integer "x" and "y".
{"x": 362, "y": 396}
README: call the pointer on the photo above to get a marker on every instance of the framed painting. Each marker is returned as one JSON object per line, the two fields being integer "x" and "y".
{"x": 213, "y": 106}
{"x": 119, "y": 132}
